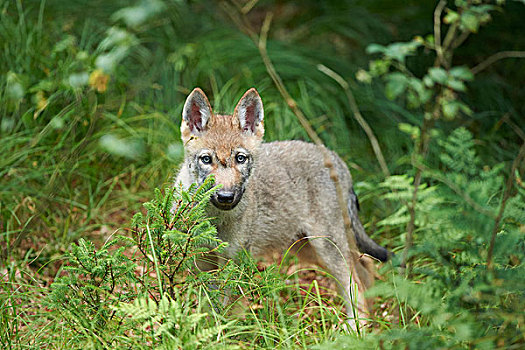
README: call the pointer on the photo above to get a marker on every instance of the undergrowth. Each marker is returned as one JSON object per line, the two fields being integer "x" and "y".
{"x": 146, "y": 290}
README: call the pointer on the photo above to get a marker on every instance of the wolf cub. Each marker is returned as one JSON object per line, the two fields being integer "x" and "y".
{"x": 274, "y": 194}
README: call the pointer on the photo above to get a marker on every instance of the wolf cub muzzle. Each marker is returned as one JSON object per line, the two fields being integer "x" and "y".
{"x": 226, "y": 175}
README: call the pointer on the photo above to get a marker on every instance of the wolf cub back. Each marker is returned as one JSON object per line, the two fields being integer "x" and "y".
{"x": 273, "y": 194}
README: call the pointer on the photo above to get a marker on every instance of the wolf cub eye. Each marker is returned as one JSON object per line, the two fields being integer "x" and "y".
{"x": 240, "y": 158}
{"x": 206, "y": 159}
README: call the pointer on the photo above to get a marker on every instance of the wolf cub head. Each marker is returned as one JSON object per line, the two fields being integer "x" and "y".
{"x": 222, "y": 145}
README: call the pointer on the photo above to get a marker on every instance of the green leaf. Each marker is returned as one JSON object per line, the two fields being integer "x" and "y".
{"x": 438, "y": 74}
{"x": 43, "y": 85}
{"x": 450, "y": 109}
{"x": 462, "y": 73}
{"x": 68, "y": 42}
{"x": 470, "y": 22}
{"x": 427, "y": 80}
{"x": 409, "y": 129}
{"x": 378, "y": 67}
{"x": 451, "y": 17}
{"x": 363, "y": 76}
{"x": 398, "y": 51}
{"x": 457, "y": 85}
{"x": 413, "y": 100}
{"x": 418, "y": 86}
{"x": 375, "y": 48}
{"x": 465, "y": 109}
{"x": 396, "y": 85}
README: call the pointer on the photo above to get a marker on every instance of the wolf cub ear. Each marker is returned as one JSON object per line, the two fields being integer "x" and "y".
{"x": 196, "y": 111}
{"x": 250, "y": 111}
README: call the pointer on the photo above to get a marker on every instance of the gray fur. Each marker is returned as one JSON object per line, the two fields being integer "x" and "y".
{"x": 284, "y": 194}
{"x": 289, "y": 194}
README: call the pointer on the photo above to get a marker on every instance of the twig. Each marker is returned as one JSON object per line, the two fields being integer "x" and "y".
{"x": 496, "y": 57}
{"x": 424, "y": 138}
{"x": 421, "y": 151}
{"x": 248, "y": 7}
{"x": 155, "y": 261}
{"x": 506, "y": 196}
{"x": 452, "y": 40}
{"x": 357, "y": 114}
{"x": 437, "y": 32}
{"x": 456, "y": 189}
{"x": 459, "y": 40}
{"x": 412, "y": 222}
{"x": 516, "y": 128}
{"x": 451, "y": 33}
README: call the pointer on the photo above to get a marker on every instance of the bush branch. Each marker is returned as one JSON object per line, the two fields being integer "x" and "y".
{"x": 437, "y": 31}
{"x": 496, "y": 57}
{"x": 421, "y": 151}
{"x": 357, "y": 114}
{"x": 506, "y": 196}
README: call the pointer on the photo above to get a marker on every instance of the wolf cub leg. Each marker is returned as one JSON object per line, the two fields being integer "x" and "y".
{"x": 208, "y": 263}
{"x": 352, "y": 280}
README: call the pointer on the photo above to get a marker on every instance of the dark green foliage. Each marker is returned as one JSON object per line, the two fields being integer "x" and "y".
{"x": 95, "y": 281}
{"x": 177, "y": 323}
{"x": 456, "y": 299}
{"x": 175, "y": 233}
{"x": 460, "y": 280}
{"x": 158, "y": 297}
{"x": 100, "y": 288}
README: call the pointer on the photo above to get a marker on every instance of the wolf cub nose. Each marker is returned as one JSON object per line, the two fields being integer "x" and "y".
{"x": 225, "y": 197}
